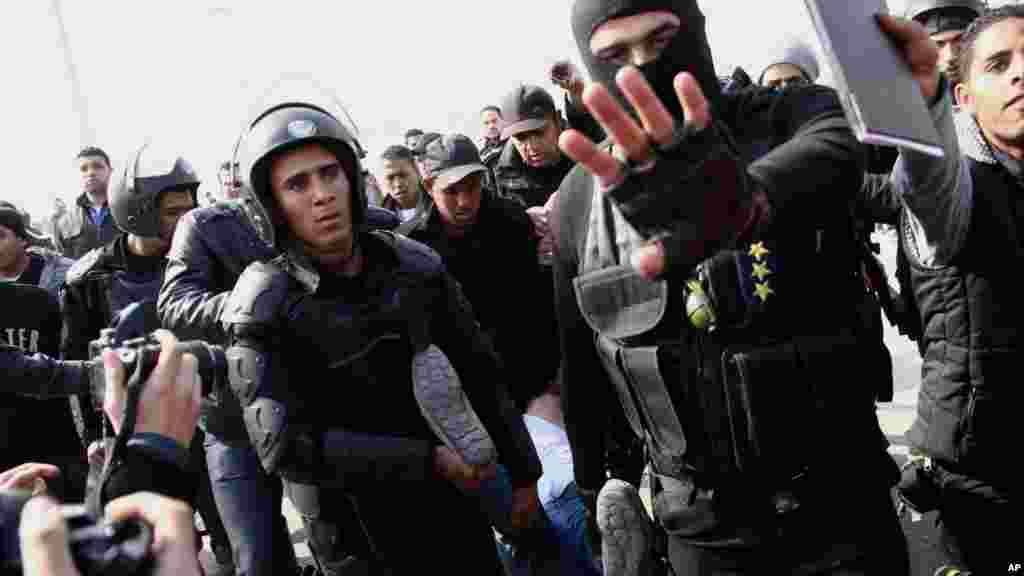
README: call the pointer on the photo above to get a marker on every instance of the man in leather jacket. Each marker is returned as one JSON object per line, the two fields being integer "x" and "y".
{"x": 369, "y": 310}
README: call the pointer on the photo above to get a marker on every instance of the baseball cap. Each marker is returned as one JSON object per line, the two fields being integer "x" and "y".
{"x": 17, "y": 221}
{"x": 451, "y": 158}
{"x": 425, "y": 139}
{"x": 526, "y": 108}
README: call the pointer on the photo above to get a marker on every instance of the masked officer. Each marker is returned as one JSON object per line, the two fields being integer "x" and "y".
{"x": 148, "y": 197}
{"x": 369, "y": 319}
{"x": 721, "y": 286}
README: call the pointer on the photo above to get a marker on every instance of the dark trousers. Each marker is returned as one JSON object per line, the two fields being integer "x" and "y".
{"x": 205, "y": 503}
{"x": 334, "y": 530}
{"x": 976, "y": 522}
{"x": 249, "y": 502}
{"x": 840, "y": 538}
{"x": 398, "y": 522}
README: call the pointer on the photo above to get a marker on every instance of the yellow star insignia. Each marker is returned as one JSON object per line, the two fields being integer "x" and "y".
{"x": 758, "y": 251}
{"x": 760, "y": 271}
{"x": 763, "y": 290}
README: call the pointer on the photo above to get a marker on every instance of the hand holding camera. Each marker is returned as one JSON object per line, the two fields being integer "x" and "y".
{"x": 151, "y": 534}
{"x": 169, "y": 402}
{"x": 142, "y": 533}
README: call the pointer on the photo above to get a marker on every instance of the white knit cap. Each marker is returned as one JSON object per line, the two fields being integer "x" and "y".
{"x": 796, "y": 52}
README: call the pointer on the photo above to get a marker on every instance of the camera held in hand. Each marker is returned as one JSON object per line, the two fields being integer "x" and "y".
{"x": 131, "y": 337}
{"x": 97, "y": 547}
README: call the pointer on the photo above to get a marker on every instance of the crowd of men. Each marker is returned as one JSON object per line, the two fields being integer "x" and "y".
{"x": 464, "y": 357}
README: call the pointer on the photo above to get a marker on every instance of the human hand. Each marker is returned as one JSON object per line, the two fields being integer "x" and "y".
{"x": 539, "y": 218}
{"x": 174, "y": 543}
{"x": 919, "y": 51}
{"x": 566, "y": 76}
{"x": 169, "y": 404}
{"x": 450, "y": 466}
{"x": 635, "y": 142}
{"x": 30, "y": 476}
{"x": 43, "y": 537}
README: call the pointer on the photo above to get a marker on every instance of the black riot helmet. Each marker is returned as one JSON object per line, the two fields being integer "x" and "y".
{"x": 939, "y": 16}
{"x": 135, "y": 198}
{"x": 689, "y": 51}
{"x": 284, "y": 127}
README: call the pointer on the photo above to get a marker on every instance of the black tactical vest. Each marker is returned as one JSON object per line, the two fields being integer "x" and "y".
{"x": 972, "y": 315}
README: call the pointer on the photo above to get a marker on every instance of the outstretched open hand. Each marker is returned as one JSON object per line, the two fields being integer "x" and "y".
{"x": 635, "y": 142}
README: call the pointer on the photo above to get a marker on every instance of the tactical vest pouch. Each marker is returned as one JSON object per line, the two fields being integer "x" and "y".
{"x": 646, "y": 401}
{"x": 778, "y": 398}
{"x": 617, "y": 302}
{"x": 622, "y": 307}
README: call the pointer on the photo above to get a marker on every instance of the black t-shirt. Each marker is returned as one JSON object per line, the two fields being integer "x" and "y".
{"x": 32, "y": 429}
{"x": 34, "y": 273}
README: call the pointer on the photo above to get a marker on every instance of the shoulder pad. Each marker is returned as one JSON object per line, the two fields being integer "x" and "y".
{"x": 378, "y": 218}
{"x": 259, "y": 295}
{"x": 87, "y": 263}
{"x": 412, "y": 256}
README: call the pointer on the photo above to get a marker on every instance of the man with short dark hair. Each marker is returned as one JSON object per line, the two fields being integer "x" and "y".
{"x": 491, "y": 143}
{"x": 87, "y": 224}
{"x": 490, "y": 133}
{"x": 403, "y": 192}
{"x": 960, "y": 243}
{"x": 412, "y": 138}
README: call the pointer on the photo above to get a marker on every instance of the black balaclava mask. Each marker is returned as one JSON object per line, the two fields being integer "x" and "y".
{"x": 688, "y": 52}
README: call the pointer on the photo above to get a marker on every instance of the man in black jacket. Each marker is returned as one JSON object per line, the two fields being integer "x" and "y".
{"x": 395, "y": 448}
{"x": 960, "y": 231}
{"x": 531, "y": 166}
{"x": 487, "y": 244}
{"x": 87, "y": 224}
{"x": 693, "y": 252}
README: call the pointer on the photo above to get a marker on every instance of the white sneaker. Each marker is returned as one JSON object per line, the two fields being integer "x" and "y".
{"x": 446, "y": 408}
{"x": 625, "y": 530}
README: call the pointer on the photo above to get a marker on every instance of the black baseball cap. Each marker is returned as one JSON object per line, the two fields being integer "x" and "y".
{"x": 448, "y": 159}
{"x": 17, "y": 222}
{"x": 526, "y": 108}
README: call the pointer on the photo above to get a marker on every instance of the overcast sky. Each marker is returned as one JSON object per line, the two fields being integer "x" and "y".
{"x": 189, "y": 72}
